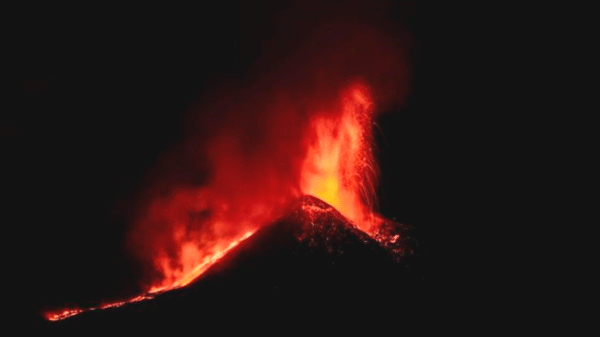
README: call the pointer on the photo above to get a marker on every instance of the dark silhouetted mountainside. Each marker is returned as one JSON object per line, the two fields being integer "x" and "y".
{"x": 310, "y": 267}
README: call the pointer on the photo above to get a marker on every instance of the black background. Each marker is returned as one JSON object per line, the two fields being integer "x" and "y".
{"x": 96, "y": 97}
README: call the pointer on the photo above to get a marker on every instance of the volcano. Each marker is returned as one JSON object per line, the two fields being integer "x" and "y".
{"x": 310, "y": 265}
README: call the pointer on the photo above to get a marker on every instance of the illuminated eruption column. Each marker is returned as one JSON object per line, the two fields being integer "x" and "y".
{"x": 339, "y": 167}
{"x": 336, "y": 166}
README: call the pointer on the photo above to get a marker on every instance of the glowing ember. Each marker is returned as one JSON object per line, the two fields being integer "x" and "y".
{"x": 186, "y": 232}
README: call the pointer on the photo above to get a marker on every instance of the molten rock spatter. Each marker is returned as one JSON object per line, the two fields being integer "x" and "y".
{"x": 321, "y": 224}
{"x": 339, "y": 166}
{"x": 319, "y": 232}
{"x": 398, "y": 239}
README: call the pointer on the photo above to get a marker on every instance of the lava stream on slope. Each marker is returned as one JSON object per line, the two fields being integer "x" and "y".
{"x": 310, "y": 239}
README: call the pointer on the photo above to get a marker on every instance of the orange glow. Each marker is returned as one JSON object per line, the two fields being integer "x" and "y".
{"x": 57, "y": 316}
{"x": 207, "y": 261}
{"x": 339, "y": 167}
{"x": 182, "y": 281}
{"x": 187, "y": 231}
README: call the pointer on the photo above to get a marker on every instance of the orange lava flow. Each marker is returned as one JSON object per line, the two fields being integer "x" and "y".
{"x": 188, "y": 278}
{"x": 200, "y": 268}
{"x": 188, "y": 230}
{"x": 57, "y": 316}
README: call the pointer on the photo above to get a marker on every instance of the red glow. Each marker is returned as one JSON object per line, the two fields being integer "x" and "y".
{"x": 186, "y": 232}
{"x": 187, "y": 277}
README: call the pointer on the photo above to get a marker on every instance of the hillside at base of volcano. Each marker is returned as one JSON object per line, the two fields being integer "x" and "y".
{"x": 309, "y": 265}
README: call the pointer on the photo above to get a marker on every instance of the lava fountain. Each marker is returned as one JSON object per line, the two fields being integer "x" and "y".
{"x": 339, "y": 167}
{"x": 188, "y": 230}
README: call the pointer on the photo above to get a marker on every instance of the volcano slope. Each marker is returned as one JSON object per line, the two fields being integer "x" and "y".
{"x": 311, "y": 266}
